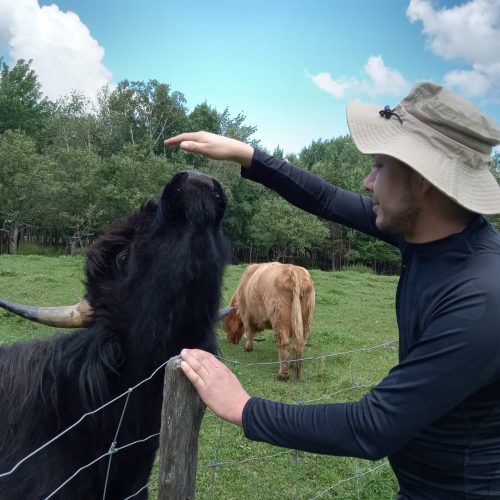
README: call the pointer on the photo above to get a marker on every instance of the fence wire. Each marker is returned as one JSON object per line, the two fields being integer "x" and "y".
{"x": 215, "y": 463}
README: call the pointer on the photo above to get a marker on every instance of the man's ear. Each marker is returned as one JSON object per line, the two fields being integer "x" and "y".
{"x": 421, "y": 186}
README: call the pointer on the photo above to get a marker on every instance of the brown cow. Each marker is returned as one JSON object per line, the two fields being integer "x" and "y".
{"x": 277, "y": 296}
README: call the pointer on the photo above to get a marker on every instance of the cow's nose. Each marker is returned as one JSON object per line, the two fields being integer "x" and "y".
{"x": 199, "y": 178}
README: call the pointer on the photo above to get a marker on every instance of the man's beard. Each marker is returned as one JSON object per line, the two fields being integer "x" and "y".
{"x": 402, "y": 222}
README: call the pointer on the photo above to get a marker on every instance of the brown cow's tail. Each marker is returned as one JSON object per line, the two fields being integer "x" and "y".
{"x": 297, "y": 323}
{"x": 308, "y": 304}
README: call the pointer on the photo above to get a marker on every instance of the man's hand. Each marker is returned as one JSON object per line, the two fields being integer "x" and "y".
{"x": 213, "y": 146}
{"x": 216, "y": 384}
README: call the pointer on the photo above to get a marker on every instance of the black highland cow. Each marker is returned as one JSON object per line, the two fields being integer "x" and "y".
{"x": 153, "y": 283}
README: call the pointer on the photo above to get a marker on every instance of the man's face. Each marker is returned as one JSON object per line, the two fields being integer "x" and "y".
{"x": 394, "y": 186}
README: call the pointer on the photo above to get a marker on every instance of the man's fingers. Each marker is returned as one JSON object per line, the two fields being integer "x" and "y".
{"x": 190, "y": 146}
{"x": 196, "y": 359}
{"x": 217, "y": 386}
{"x": 198, "y": 354}
{"x": 214, "y": 362}
{"x": 186, "y": 136}
{"x": 192, "y": 376}
{"x": 204, "y": 357}
{"x": 175, "y": 141}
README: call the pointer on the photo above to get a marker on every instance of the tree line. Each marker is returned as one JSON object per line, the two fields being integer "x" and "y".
{"x": 69, "y": 167}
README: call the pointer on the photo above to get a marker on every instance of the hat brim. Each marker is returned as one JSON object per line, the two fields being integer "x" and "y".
{"x": 475, "y": 189}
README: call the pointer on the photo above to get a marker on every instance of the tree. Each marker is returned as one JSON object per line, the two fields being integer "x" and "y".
{"x": 142, "y": 114}
{"x": 130, "y": 178}
{"x": 495, "y": 170}
{"x": 280, "y": 226}
{"x": 205, "y": 117}
{"x": 279, "y": 153}
{"x": 339, "y": 162}
{"x": 374, "y": 252}
{"x": 22, "y": 105}
{"x": 25, "y": 185}
{"x": 73, "y": 124}
{"x": 75, "y": 210}
{"x": 495, "y": 165}
{"x": 315, "y": 153}
{"x": 233, "y": 127}
{"x": 244, "y": 200}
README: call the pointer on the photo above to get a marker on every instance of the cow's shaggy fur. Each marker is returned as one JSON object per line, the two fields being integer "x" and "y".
{"x": 153, "y": 281}
{"x": 276, "y": 296}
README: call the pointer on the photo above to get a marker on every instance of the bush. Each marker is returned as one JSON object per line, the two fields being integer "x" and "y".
{"x": 36, "y": 249}
{"x": 359, "y": 268}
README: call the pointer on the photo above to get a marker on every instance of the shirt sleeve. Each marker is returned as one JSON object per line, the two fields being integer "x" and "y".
{"x": 450, "y": 366}
{"x": 314, "y": 195}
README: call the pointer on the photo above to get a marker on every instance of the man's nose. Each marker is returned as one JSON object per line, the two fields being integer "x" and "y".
{"x": 369, "y": 180}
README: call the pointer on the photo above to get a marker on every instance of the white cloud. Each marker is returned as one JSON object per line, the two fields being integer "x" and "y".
{"x": 380, "y": 80}
{"x": 472, "y": 83}
{"x": 384, "y": 80}
{"x": 325, "y": 82}
{"x": 469, "y": 33}
{"x": 65, "y": 55}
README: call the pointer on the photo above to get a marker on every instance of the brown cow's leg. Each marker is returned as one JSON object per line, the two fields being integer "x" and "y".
{"x": 297, "y": 361}
{"x": 283, "y": 341}
{"x": 249, "y": 343}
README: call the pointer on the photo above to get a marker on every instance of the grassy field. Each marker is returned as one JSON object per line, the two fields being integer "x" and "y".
{"x": 354, "y": 312}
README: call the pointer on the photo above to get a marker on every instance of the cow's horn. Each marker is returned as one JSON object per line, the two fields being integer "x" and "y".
{"x": 225, "y": 312}
{"x": 75, "y": 316}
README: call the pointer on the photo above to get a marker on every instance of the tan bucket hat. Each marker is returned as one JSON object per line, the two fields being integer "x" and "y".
{"x": 440, "y": 135}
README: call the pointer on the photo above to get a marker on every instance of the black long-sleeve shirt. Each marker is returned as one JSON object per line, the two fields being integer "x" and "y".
{"x": 436, "y": 415}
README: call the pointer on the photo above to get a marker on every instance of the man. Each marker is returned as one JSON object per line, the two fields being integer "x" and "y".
{"x": 436, "y": 415}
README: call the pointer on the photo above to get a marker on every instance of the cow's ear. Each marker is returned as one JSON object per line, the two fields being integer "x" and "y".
{"x": 108, "y": 253}
{"x": 236, "y": 326}
{"x": 225, "y": 322}
{"x": 240, "y": 327}
{"x": 230, "y": 325}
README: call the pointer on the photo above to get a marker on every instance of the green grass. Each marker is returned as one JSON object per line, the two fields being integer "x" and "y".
{"x": 36, "y": 249}
{"x": 354, "y": 310}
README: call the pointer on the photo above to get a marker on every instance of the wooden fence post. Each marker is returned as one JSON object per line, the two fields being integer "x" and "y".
{"x": 181, "y": 416}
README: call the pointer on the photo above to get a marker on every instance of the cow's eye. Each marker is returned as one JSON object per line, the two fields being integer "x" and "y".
{"x": 121, "y": 259}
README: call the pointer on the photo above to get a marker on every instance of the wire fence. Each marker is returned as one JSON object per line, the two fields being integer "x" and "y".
{"x": 351, "y": 485}
{"x": 216, "y": 463}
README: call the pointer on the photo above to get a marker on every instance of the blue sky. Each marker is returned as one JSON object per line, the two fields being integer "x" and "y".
{"x": 290, "y": 66}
